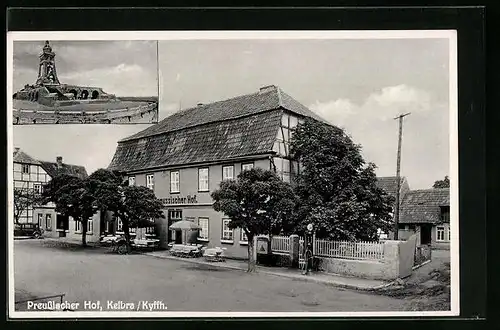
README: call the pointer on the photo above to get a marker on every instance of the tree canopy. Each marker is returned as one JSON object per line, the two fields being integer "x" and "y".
{"x": 258, "y": 202}
{"x": 442, "y": 183}
{"x": 23, "y": 200}
{"x": 336, "y": 188}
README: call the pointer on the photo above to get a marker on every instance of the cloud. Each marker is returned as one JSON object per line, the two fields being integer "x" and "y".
{"x": 370, "y": 123}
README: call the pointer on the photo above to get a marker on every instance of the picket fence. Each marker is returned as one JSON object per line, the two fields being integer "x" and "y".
{"x": 280, "y": 244}
{"x": 349, "y": 250}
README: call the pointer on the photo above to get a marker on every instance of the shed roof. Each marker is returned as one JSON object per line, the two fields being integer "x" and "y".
{"x": 424, "y": 206}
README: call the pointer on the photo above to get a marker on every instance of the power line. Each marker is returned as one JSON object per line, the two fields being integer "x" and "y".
{"x": 398, "y": 174}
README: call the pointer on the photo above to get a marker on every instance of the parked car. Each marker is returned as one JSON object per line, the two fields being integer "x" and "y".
{"x": 28, "y": 229}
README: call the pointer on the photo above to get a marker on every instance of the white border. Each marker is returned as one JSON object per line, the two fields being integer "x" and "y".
{"x": 239, "y": 35}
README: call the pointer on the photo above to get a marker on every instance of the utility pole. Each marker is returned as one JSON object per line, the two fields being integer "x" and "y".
{"x": 398, "y": 175}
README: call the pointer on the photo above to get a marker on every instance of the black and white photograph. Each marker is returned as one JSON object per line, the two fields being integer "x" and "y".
{"x": 85, "y": 82}
{"x": 293, "y": 174}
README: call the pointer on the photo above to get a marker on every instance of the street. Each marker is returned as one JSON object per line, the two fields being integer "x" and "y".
{"x": 44, "y": 268}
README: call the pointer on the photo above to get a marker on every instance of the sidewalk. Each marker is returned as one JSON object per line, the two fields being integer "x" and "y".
{"x": 295, "y": 274}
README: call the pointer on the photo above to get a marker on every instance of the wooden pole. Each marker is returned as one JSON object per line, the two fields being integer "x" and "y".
{"x": 398, "y": 175}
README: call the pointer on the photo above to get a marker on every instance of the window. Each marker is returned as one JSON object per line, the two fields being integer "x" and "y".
{"x": 246, "y": 167}
{"x": 40, "y": 219}
{"x": 174, "y": 182}
{"x": 445, "y": 214}
{"x": 48, "y": 221}
{"x": 227, "y": 233}
{"x": 90, "y": 226}
{"x": 449, "y": 233}
{"x": 175, "y": 215}
{"x": 37, "y": 188}
{"x": 150, "y": 181}
{"x": 78, "y": 226}
{"x": 283, "y": 168}
{"x": 25, "y": 169}
{"x": 131, "y": 180}
{"x": 243, "y": 236}
{"x": 440, "y": 234}
{"x": 203, "y": 233}
{"x": 203, "y": 179}
{"x": 228, "y": 172}
{"x": 119, "y": 226}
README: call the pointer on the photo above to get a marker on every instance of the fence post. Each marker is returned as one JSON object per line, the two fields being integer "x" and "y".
{"x": 314, "y": 244}
{"x": 294, "y": 250}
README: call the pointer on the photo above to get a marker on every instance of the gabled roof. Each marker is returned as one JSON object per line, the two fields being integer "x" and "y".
{"x": 268, "y": 98}
{"x": 53, "y": 169}
{"x": 424, "y": 206}
{"x": 21, "y": 157}
{"x": 390, "y": 184}
{"x": 215, "y": 141}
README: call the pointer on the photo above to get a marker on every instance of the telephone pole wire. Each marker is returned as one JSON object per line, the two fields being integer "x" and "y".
{"x": 398, "y": 175}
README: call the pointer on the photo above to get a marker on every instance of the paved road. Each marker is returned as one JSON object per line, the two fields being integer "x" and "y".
{"x": 42, "y": 268}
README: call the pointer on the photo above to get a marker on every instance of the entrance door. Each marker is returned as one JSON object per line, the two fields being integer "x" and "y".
{"x": 178, "y": 236}
{"x": 425, "y": 234}
{"x": 173, "y": 216}
{"x": 62, "y": 224}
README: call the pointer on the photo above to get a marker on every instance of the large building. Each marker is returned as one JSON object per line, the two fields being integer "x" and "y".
{"x": 186, "y": 156}
{"x": 31, "y": 175}
{"x": 425, "y": 212}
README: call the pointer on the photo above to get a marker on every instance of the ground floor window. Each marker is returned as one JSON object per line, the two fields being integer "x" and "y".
{"x": 48, "y": 222}
{"x": 40, "y": 219}
{"x": 227, "y": 233}
{"x": 243, "y": 236}
{"x": 119, "y": 225}
{"x": 440, "y": 234}
{"x": 90, "y": 226}
{"x": 449, "y": 233}
{"x": 78, "y": 226}
{"x": 203, "y": 233}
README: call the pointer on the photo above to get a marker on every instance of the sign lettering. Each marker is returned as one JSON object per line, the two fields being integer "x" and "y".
{"x": 174, "y": 200}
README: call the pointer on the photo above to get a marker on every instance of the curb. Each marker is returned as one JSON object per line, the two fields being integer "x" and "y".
{"x": 266, "y": 272}
{"x": 422, "y": 264}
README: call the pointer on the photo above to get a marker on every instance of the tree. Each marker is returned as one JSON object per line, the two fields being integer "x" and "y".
{"x": 134, "y": 206}
{"x": 442, "y": 183}
{"x": 23, "y": 200}
{"x": 258, "y": 202}
{"x": 73, "y": 197}
{"x": 337, "y": 190}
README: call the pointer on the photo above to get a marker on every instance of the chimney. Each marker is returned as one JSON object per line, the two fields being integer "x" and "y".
{"x": 268, "y": 88}
{"x": 59, "y": 161}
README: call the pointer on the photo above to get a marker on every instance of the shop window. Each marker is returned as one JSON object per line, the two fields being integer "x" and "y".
{"x": 228, "y": 172}
{"x": 131, "y": 180}
{"x": 150, "y": 181}
{"x": 203, "y": 232}
{"x": 246, "y": 167}
{"x": 440, "y": 234}
{"x": 48, "y": 222}
{"x": 174, "y": 182}
{"x": 203, "y": 179}
{"x": 227, "y": 233}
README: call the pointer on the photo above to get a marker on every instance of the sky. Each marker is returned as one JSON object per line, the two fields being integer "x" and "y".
{"x": 123, "y": 68}
{"x": 359, "y": 85}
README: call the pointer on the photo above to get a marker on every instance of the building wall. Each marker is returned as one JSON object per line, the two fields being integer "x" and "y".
{"x": 35, "y": 177}
{"x": 445, "y": 244}
{"x": 195, "y": 204}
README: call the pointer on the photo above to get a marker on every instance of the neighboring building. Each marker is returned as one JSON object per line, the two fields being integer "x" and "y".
{"x": 424, "y": 212}
{"x": 186, "y": 156}
{"x": 427, "y": 213}
{"x": 32, "y": 174}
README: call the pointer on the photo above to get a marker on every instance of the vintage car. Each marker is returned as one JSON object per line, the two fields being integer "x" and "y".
{"x": 28, "y": 229}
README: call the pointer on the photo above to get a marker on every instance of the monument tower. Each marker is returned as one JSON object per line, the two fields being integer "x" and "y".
{"x": 47, "y": 74}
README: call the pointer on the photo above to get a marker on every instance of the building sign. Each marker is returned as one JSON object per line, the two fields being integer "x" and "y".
{"x": 262, "y": 246}
{"x": 176, "y": 200}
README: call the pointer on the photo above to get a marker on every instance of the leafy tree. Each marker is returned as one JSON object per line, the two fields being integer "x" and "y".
{"x": 258, "y": 202}
{"x": 23, "y": 200}
{"x": 337, "y": 190}
{"x": 134, "y": 205}
{"x": 442, "y": 183}
{"x": 73, "y": 197}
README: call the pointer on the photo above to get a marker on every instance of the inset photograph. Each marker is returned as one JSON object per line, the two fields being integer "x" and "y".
{"x": 85, "y": 82}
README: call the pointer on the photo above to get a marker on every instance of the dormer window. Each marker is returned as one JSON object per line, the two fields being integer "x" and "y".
{"x": 445, "y": 214}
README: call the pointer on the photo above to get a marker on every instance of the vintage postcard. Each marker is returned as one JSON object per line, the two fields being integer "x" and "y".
{"x": 84, "y": 82}
{"x": 297, "y": 174}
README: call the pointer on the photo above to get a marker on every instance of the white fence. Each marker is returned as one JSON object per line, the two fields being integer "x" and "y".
{"x": 349, "y": 250}
{"x": 280, "y": 244}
